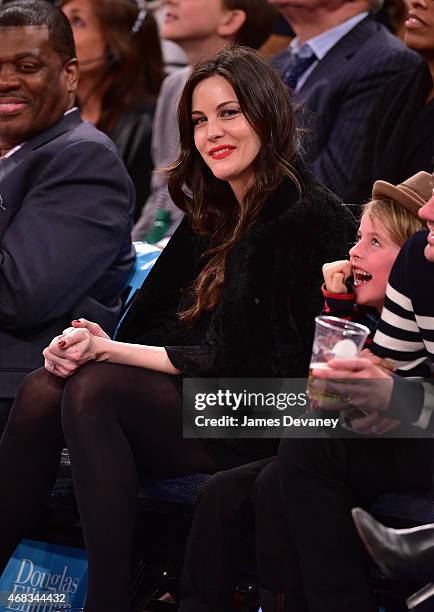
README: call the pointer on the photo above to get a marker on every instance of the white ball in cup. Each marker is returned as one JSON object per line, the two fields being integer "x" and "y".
{"x": 345, "y": 349}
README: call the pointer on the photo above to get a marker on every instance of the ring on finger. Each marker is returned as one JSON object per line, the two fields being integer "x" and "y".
{"x": 374, "y": 429}
{"x": 52, "y": 365}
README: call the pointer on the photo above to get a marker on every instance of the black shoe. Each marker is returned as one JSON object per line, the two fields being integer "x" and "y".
{"x": 401, "y": 553}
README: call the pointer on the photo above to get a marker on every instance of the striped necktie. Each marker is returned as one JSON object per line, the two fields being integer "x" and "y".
{"x": 300, "y": 63}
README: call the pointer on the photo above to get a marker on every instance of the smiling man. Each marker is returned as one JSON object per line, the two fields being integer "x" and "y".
{"x": 41, "y": 100}
{"x": 65, "y": 197}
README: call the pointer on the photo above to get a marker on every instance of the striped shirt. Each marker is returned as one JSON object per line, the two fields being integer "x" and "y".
{"x": 405, "y": 333}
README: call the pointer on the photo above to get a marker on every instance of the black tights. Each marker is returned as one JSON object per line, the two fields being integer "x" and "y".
{"x": 119, "y": 423}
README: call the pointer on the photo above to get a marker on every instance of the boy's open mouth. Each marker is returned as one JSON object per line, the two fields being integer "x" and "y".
{"x": 361, "y": 277}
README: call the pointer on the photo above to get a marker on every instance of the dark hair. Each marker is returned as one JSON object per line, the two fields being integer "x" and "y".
{"x": 134, "y": 70}
{"x": 22, "y": 13}
{"x": 258, "y": 26}
{"x": 392, "y": 14}
{"x": 212, "y": 207}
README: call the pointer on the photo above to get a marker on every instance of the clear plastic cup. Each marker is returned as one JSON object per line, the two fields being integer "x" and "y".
{"x": 334, "y": 339}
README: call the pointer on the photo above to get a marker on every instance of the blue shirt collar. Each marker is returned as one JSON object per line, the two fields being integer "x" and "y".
{"x": 322, "y": 43}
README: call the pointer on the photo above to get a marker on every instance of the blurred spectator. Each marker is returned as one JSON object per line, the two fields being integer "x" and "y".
{"x": 400, "y": 134}
{"x": 174, "y": 57}
{"x": 65, "y": 197}
{"x": 392, "y": 15}
{"x": 121, "y": 71}
{"x": 200, "y": 28}
{"x": 338, "y": 65}
{"x": 279, "y": 39}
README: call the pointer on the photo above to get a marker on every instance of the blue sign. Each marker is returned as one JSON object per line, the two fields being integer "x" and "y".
{"x": 43, "y": 577}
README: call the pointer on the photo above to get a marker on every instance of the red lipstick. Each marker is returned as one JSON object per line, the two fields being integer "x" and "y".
{"x": 221, "y": 152}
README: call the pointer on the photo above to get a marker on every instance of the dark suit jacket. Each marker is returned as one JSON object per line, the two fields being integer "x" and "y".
{"x": 339, "y": 96}
{"x": 399, "y": 135}
{"x": 66, "y": 205}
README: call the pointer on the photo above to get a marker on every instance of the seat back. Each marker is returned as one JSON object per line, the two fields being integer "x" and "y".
{"x": 146, "y": 256}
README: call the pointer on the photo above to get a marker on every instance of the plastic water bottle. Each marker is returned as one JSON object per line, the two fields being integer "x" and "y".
{"x": 160, "y": 227}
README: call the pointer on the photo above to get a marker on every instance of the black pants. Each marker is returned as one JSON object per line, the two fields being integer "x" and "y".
{"x": 218, "y": 540}
{"x": 119, "y": 422}
{"x": 307, "y": 551}
{"x": 236, "y": 506}
{"x": 321, "y": 480}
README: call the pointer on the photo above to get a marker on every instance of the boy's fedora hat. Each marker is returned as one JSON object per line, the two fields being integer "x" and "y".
{"x": 413, "y": 193}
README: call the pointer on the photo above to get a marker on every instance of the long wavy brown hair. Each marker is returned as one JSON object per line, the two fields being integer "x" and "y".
{"x": 134, "y": 69}
{"x": 209, "y": 202}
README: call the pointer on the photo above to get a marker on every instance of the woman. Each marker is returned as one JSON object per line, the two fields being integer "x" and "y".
{"x": 401, "y": 129}
{"x": 233, "y": 293}
{"x": 121, "y": 71}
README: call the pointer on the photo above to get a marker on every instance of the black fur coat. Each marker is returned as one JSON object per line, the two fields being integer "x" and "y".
{"x": 263, "y": 326}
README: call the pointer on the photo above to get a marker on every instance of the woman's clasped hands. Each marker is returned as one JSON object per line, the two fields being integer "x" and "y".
{"x": 82, "y": 342}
